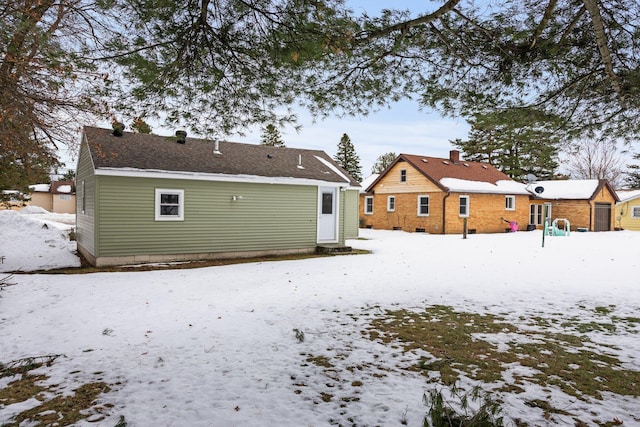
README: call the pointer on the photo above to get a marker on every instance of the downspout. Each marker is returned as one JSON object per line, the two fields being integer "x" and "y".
{"x": 591, "y": 213}
{"x": 444, "y": 211}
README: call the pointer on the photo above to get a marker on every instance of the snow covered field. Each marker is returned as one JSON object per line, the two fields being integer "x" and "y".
{"x": 217, "y": 346}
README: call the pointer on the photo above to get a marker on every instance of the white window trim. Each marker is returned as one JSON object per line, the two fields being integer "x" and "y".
{"x": 389, "y": 199}
{"x": 635, "y": 212}
{"x": 428, "y": 207}
{"x": 513, "y": 203}
{"x": 466, "y": 214}
{"x": 180, "y": 216}
{"x": 366, "y": 199}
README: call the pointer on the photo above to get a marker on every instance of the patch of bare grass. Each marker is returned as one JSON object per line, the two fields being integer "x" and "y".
{"x": 55, "y": 408}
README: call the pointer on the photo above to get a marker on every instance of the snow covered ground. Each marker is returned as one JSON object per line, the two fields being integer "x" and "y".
{"x": 217, "y": 347}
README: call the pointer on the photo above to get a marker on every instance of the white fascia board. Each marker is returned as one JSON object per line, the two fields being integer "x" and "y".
{"x": 196, "y": 176}
{"x": 333, "y": 168}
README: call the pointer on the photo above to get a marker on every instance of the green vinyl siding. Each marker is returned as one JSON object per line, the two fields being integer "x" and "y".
{"x": 351, "y": 200}
{"x": 265, "y": 217}
{"x": 85, "y": 221}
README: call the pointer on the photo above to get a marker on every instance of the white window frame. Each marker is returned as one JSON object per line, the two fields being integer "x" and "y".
{"x": 509, "y": 203}
{"x": 65, "y": 196}
{"x": 403, "y": 175}
{"x": 391, "y": 203}
{"x": 420, "y": 197}
{"x": 635, "y": 212}
{"x": 466, "y": 213}
{"x": 366, "y": 205}
{"x": 180, "y": 194}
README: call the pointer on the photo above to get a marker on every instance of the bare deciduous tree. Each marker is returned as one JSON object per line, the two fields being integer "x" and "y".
{"x": 596, "y": 159}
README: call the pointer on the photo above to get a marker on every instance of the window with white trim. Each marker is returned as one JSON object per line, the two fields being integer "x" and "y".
{"x": 635, "y": 212}
{"x": 368, "y": 205}
{"x": 403, "y": 175}
{"x": 391, "y": 203}
{"x": 423, "y": 205}
{"x": 65, "y": 196}
{"x": 464, "y": 206}
{"x": 169, "y": 205}
{"x": 510, "y": 203}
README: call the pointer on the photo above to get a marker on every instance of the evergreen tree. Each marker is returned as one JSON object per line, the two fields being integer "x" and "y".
{"x": 140, "y": 126}
{"x": 271, "y": 136}
{"x": 347, "y": 158}
{"x": 516, "y": 142}
{"x": 633, "y": 176}
{"x": 383, "y": 161}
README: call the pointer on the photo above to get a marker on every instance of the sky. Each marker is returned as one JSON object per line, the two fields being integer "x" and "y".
{"x": 401, "y": 128}
{"x": 218, "y": 346}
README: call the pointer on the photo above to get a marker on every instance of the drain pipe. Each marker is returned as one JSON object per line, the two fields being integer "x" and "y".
{"x": 444, "y": 211}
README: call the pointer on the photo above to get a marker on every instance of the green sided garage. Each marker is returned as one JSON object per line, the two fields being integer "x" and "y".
{"x": 148, "y": 198}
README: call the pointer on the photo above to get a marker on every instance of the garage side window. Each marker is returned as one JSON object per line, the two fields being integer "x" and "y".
{"x": 169, "y": 205}
{"x": 635, "y": 212}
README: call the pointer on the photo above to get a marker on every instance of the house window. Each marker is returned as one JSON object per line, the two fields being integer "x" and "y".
{"x": 368, "y": 205}
{"x": 84, "y": 198}
{"x": 169, "y": 205}
{"x": 635, "y": 212}
{"x": 464, "y": 206}
{"x": 403, "y": 175}
{"x": 65, "y": 197}
{"x": 536, "y": 213}
{"x": 510, "y": 203}
{"x": 423, "y": 205}
{"x": 391, "y": 203}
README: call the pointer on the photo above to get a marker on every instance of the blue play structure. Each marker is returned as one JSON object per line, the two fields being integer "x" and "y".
{"x": 554, "y": 230}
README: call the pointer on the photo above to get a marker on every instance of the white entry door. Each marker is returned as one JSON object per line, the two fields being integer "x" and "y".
{"x": 327, "y": 214}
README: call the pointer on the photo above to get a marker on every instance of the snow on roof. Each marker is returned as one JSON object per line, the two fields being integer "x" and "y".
{"x": 40, "y": 188}
{"x": 500, "y": 187}
{"x": 626, "y": 195}
{"x": 368, "y": 181}
{"x": 64, "y": 189}
{"x": 564, "y": 189}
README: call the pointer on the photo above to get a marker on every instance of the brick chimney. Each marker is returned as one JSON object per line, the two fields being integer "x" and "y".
{"x": 454, "y": 156}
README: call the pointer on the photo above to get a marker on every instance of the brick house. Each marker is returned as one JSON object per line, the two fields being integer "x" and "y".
{"x": 586, "y": 203}
{"x": 437, "y": 195}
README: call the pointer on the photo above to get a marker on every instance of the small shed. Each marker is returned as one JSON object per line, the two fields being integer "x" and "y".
{"x": 628, "y": 210}
{"x": 586, "y": 203}
{"x": 148, "y": 198}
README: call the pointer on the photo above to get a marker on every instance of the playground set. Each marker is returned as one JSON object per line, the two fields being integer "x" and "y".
{"x": 554, "y": 230}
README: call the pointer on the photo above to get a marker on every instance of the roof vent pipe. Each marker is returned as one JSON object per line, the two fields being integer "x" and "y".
{"x": 216, "y": 148}
{"x": 181, "y": 136}
{"x": 300, "y": 162}
{"x": 118, "y": 128}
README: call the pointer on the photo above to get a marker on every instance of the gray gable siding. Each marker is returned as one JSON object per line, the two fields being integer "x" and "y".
{"x": 268, "y": 217}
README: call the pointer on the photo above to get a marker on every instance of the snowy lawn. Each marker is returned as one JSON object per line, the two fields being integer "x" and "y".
{"x": 551, "y": 332}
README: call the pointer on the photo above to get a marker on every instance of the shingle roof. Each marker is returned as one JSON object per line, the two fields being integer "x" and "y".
{"x": 438, "y": 168}
{"x": 62, "y": 187}
{"x": 161, "y": 153}
{"x": 463, "y": 175}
